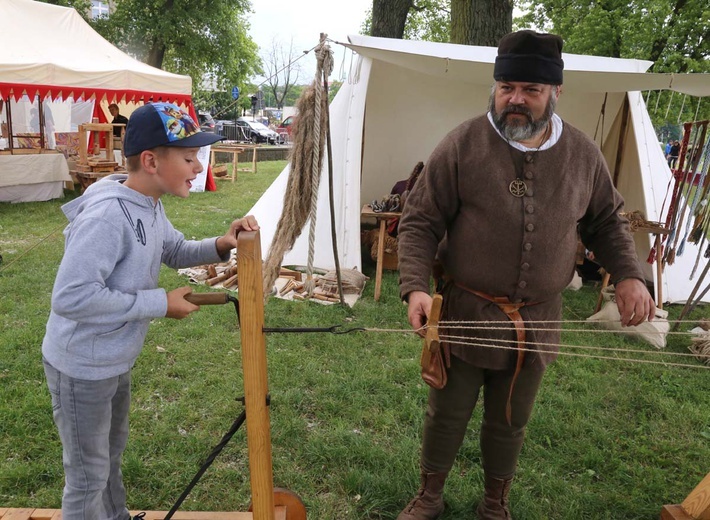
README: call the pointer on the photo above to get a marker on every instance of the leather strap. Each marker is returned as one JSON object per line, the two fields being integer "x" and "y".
{"x": 512, "y": 310}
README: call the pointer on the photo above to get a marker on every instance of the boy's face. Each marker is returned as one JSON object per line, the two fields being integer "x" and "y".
{"x": 176, "y": 168}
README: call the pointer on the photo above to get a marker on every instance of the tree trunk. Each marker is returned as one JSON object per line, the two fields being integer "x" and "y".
{"x": 480, "y": 22}
{"x": 156, "y": 54}
{"x": 157, "y": 49}
{"x": 389, "y": 17}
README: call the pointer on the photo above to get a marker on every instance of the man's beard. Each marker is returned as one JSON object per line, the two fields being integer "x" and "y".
{"x": 521, "y": 132}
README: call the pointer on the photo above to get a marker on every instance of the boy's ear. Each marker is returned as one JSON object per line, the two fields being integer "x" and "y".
{"x": 149, "y": 161}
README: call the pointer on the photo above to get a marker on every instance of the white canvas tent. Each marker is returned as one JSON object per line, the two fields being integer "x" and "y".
{"x": 401, "y": 98}
{"x": 50, "y": 52}
{"x": 48, "y": 48}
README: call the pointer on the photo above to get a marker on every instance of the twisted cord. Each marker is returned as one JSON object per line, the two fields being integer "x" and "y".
{"x": 464, "y": 340}
{"x": 324, "y": 67}
{"x": 590, "y": 356}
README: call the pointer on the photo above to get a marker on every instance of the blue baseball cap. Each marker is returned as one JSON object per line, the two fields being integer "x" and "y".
{"x": 163, "y": 124}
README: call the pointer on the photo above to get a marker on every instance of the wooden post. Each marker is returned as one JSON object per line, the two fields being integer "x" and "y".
{"x": 696, "y": 506}
{"x": 251, "y": 297}
{"x": 380, "y": 258}
{"x": 659, "y": 273}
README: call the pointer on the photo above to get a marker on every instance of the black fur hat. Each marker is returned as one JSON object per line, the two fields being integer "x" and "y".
{"x": 531, "y": 57}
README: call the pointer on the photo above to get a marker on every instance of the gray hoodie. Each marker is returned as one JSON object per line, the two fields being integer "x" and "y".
{"x": 106, "y": 290}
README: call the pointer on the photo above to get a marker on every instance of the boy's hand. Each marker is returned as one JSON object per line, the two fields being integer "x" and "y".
{"x": 228, "y": 241}
{"x": 178, "y": 306}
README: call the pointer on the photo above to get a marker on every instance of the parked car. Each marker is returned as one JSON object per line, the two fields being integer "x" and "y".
{"x": 286, "y": 128}
{"x": 207, "y": 123}
{"x": 257, "y": 132}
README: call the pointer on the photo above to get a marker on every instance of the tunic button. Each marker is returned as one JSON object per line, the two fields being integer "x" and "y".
{"x": 522, "y": 284}
{"x": 529, "y": 175}
{"x": 528, "y": 158}
{"x": 529, "y": 192}
{"x": 529, "y": 208}
{"x": 518, "y": 300}
{"x": 527, "y": 246}
{"x": 530, "y": 227}
{"x": 525, "y": 266}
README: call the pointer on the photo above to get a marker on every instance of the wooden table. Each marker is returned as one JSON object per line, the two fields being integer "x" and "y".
{"x": 235, "y": 150}
{"x": 381, "y": 218}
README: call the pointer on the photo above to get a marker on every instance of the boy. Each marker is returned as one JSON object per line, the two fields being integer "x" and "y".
{"x": 105, "y": 295}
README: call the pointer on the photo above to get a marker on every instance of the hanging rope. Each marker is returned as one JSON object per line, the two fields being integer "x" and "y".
{"x": 306, "y": 162}
{"x": 323, "y": 69}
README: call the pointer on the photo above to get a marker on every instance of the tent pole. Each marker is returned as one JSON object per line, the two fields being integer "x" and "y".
{"x": 622, "y": 139}
{"x": 669, "y": 105}
{"x": 40, "y": 108}
{"x": 8, "y": 104}
{"x": 333, "y": 234}
{"x": 682, "y": 106}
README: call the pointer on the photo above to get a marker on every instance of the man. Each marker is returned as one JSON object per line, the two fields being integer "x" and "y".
{"x": 499, "y": 205}
{"x": 118, "y": 119}
{"x": 673, "y": 156}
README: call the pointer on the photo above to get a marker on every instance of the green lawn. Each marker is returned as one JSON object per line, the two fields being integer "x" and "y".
{"x": 608, "y": 440}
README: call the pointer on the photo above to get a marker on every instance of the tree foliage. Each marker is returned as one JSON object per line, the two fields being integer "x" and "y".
{"x": 673, "y": 34}
{"x": 205, "y": 39}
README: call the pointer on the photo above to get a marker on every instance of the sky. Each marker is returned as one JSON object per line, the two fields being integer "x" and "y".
{"x": 304, "y": 20}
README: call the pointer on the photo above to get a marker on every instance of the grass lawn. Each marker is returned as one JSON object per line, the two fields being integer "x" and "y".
{"x": 608, "y": 440}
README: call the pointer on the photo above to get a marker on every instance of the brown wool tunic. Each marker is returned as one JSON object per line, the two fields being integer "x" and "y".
{"x": 524, "y": 248}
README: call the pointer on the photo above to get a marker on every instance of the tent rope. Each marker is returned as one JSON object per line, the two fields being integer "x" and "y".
{"x": 324, "y": 67}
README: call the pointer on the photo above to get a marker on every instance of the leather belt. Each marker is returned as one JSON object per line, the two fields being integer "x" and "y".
{"x": 512, "y": 310}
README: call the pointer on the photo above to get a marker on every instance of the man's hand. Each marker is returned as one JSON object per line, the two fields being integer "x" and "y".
{"x": 634, "y": 302}
{"x": 228, "y": 241}
{"x": 418, "y": 312}
{"x": 178, "y": 306}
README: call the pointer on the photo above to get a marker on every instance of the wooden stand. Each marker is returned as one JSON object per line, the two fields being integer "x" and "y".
{"x": 696, "y": 506}
{"x": 89, "y": 169}
{"x": 658, "y": 232}
{"x": 381, "y": 219}
{"x": 268, "y": 503}
{"x": 235, "y": 150}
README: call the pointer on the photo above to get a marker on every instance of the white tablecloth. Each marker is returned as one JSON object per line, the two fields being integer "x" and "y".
{"x": 27, "y": 178}
{"x": 33, "y": 169}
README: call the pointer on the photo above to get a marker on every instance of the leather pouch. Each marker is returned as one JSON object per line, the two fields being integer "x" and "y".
{"x": 434, "y": 366}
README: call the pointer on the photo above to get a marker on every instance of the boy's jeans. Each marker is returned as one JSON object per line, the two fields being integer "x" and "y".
{"x": 92, "y": 418}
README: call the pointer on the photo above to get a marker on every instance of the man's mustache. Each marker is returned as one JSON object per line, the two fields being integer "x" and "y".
{"x": 518, "y": 110}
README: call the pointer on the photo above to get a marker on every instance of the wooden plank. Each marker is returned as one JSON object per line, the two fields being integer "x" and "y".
{"x": 380, "y": 257}
{"x": 47, "y": 514}
{"x": 674, "y": 512}
{"x": 196, "y": 515}
{"x": 18, "y": 514}
{"x": 697, "y": 504}
{"x": 251, "y": 303}
{"x": 56, "y": 514}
